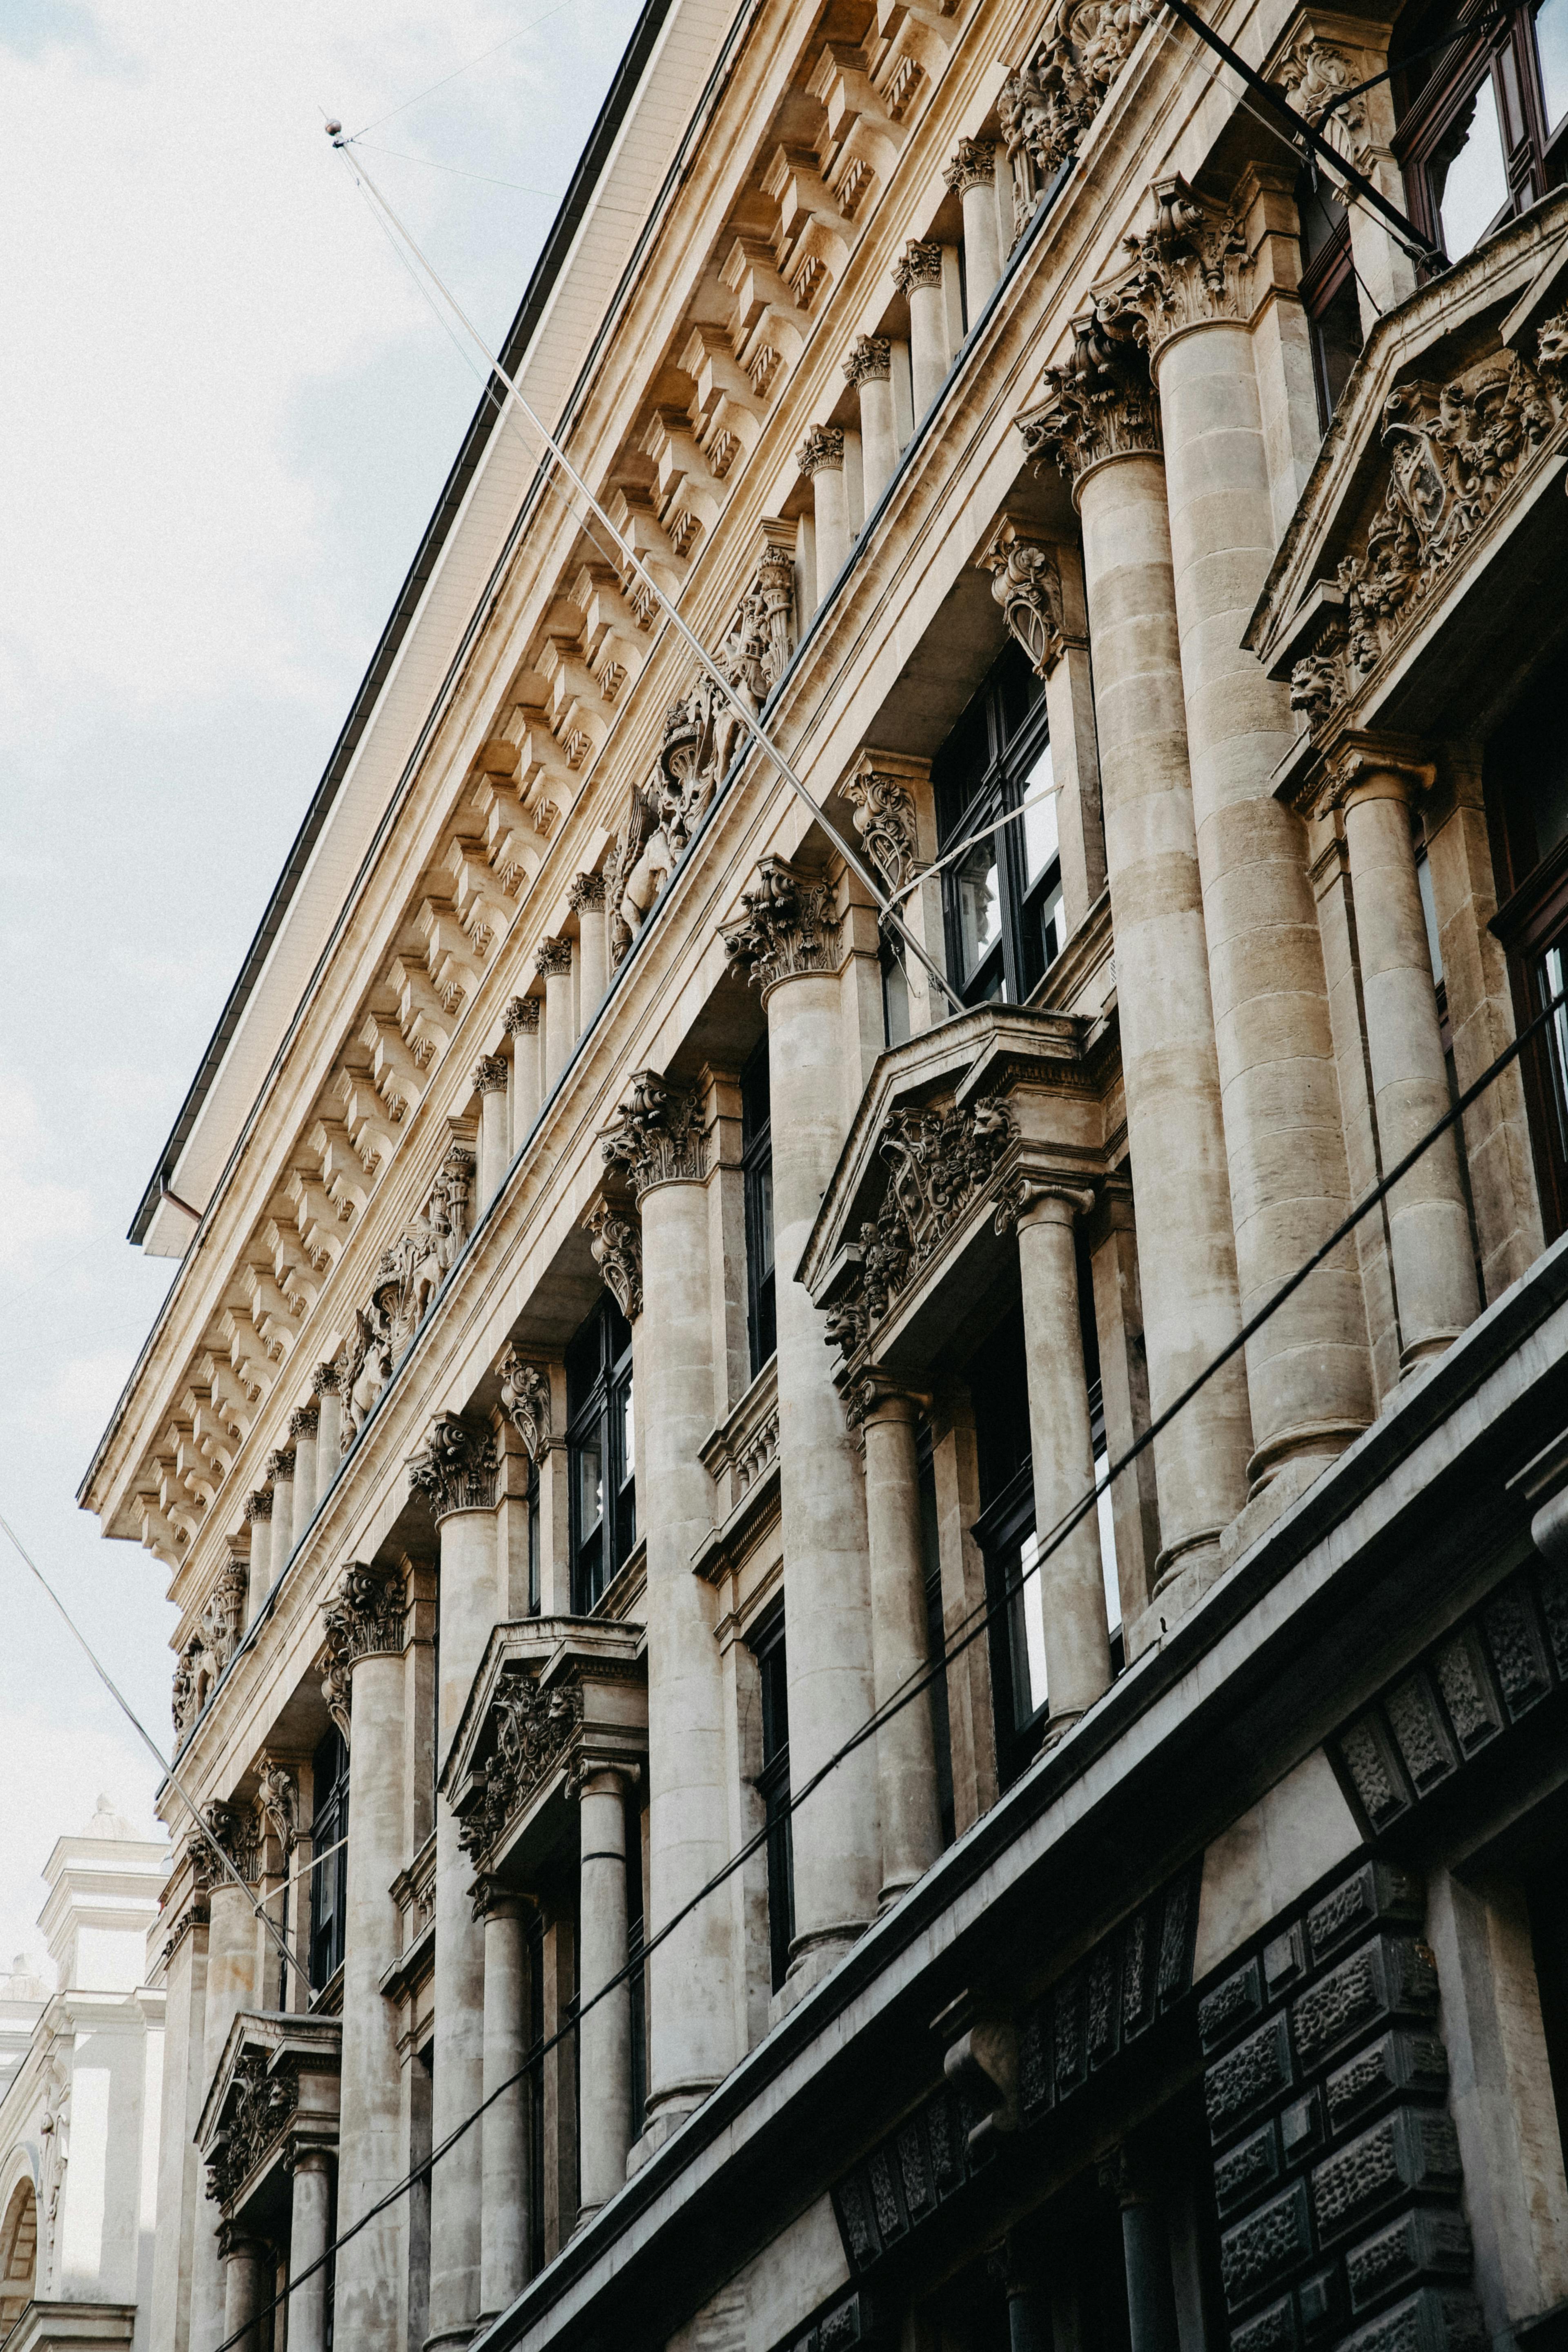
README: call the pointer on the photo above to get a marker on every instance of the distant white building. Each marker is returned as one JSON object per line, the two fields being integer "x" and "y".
{"x": 80, "y": 2074}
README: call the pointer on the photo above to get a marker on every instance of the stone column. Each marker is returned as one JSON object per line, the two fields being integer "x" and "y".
{"x": 918, "y": 275}
{"x": 585, "y": 898}
{"x": 552, "y": 962}
{"x": 787, "y": 940}
{"x": 489, "y": 1084}
{"x": 1374, "y": 780}
{"x": 1309, "y": 1368}
{"x": 181, "y": 2204}
{"x": 231, "y": 1987}
{"x": 661, "y": 1144}
{"x": 304, "y": 1431}
{"x": 327, "y": 1389}
{"x": 522, "y": 1095}
{"x": 241, "y": 2290}
{"x": 280, "y": 1477}
{"x": 1101, "y": 428}
{"x": 507, "y": 2192}
{"x": 604, "y": 2036}
{"x": 258, "y": 1518}
{"x": 870, "y": 370}
{"x": 366, "y": 1634}
{"x": 972, "y": 175}
{"x": 1146, "y": 2253}
{"x": 1072, "y": 1587}
{"x": 906, "y": 1744}
{"x": 821, "y": 456}
{"x": 456, "y": 1473}
{"x": 308, "y": 2231}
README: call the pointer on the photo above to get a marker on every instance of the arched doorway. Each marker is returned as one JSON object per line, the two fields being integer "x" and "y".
{"x": 18, "y": 2255}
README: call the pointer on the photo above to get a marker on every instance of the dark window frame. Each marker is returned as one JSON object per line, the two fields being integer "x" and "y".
{"x": 757, "y": 1184}
{"x": 766, "y": 1644}
{"x": 599, "y": 1401}
{"x": 1531, "y": 922}
{"x": 1330, "y": 295}
{"x": 981, "y": 776}
{"x": 1432, "y": 95}
{"x": 329, "y": 1878}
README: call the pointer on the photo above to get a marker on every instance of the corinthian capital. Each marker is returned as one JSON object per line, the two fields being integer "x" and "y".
{"x": 585, "y": 894}
{"x": 614, "y": 1244}
{"x": 658, "y": 1137}
{"x": 919, "y": 265}
{"x": 885, "y": 821}
{"x": 367, "y": 1618}
{"x": 490, "y": 1075}
{"x": 870, "y": 360}
{"x": 1028, "y": 584}
{"x": 787, "y": 926}
{"x": 973, "y": 165}
{"x": 552, "y": 959}
{"x": 823, "y": 446}
{"x": 521, "y": 1015}
{"x": 455, "y": 1468}
{"x": 1192, "y": 267}
{"x": 1099, "y": 404}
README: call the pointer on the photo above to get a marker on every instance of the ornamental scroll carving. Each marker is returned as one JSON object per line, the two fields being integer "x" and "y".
{"x": 703, "y": 732}
{"x": 787, "y": 925}
{"x": 658, "y": 1137}
{"x": 525, "y": 1400}
{"x": 1315, "y": 76}
{"x": 205, "y": 1656}
{"x": 1027, "y": 582}
{"x": 1454, "y": 450}
{"x": 454, "y": 1470}
{"x": 532, "y": 1731}
{"x": 885, "y": 819}
{"x": 278, "y": 1800}
{"x": 1047, "y": 104}
{"x": 1098, "y": 403}
{"x": 259, "y": 2106}
{"x": 941, "y": 1163}
{"x": 615, "y": 1245}
{"x": 1191, "y": 266}
{"x": 407, "y": 1280}
{"x": 237, "y": 1830}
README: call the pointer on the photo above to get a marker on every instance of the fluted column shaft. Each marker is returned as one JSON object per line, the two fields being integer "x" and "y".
{"x": 604, "y": 2128}
{"x": 1186, "y": 1253}
{"x": 906, "y": 1743}
{"x": 308, "y": 2229}
{"x": 830, "y": 511}
{"x": 304, "y": 1429}
{"x": 1428, "y": 1218}
{"x": 587, "y": 896}
{"x": 692, "y": 1988}
{"x": 982, "y": 245}
{"x": 507, "y": 2192}
{"x": 1072, "y": 1590}
{"x": 1308, "y": 1369}
{"x": 828, "y": 1586}
{"x": 918, "y": 274}
{"x": 467, "y": 1612}
{"x": 370, "y": 2144}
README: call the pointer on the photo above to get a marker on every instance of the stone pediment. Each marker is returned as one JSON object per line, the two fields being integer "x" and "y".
{"x": 552, "y": 1696}
{"x": 275, "y": 2090}
{"x": 955, "y": 1127}
{"x": 1448, "y": 439}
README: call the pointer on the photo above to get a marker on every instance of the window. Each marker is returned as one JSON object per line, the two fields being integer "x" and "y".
{"x": 601, "y": 1453}
{"x": 1526, "y": 797}
{"x": 936, "y": 1639}
{"x": 532, "y": 1495}
{"x": 773, "y": 1787}
{"x": 535, "y": 1940}
{"x": 757, "y": 1171}
{"x": 1003, "y": 898}
{"x": 1483, "y": 114}
{"x": 1329, "y": 290}
{"x": 637, "y": 1981}
{"x": 329, "y": 1876}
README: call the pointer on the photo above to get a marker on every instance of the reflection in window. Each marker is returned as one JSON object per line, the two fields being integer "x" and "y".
{"x": 757, "y": 1172}
{"x": 600, "y": 1452}
{"x": 1003, "y": 897}
{"x": 773, "y": 1786}
{"x": 330, "y": 1874}
{"x": 1552, "y": 53}
{"x": 1469, "y": 176}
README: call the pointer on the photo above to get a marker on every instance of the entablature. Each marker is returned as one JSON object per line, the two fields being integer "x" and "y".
{"x": 274, "y": 2095}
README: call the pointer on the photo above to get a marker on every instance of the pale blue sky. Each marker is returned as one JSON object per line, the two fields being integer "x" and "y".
{"x": 225, "y": 418}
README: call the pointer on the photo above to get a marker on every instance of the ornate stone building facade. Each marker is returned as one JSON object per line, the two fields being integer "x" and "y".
{"x": 869, "y": 1671}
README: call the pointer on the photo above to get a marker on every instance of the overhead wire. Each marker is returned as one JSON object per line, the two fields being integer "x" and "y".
{"x": 457, "y": 71}
{"x": 968, "y": 1630}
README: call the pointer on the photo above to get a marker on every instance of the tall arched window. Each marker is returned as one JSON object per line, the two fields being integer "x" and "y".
{"x": 18, "y": 2255}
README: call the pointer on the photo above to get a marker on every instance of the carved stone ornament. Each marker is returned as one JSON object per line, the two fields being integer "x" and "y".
{"x": 304, "y": 1421}
{"x": 940, "y": 1164}
{"x": 238, "y": 1831}
{"x": 223, "y": 1619}
{"x": 823, "y": 446}
{"x": 325, "y": 1381}
{"x": 658, "y": 1137}
{"x": 1189, "y": 268}
{"x": 522, "y": 1017}
{"x": 1099, "y": 404}
{"x": 256, "y": 2115}
{"x": 920, "y": 264}
{"x": 704, "y": 733}
{"x": 1047, "y": 104}
{"x": 279, "y": 1798}
{"x": 407, "y": 1278}
{"x": 454, "y": 1470}
{"x": 787, "y": 926}
{"x": 525, "y": 1400}
{"x": 885, "y": 821}
{"x": 490, "y": 1075}
{"x": 973, "y": 165}
{"x": 552, "y": 959}
{"x": 585, "y": 894}
{"x": 870, "y": 360}
{"x": 280, "y": 1464}
{"x": 1314, "y": 74}
{"x": 533, "y": 1729}
{"x": 259, "y": 1504}
{"x": 367, "y": 1617}
{"x": 614, "y": 1244}
{"x": 1027, "y": 583}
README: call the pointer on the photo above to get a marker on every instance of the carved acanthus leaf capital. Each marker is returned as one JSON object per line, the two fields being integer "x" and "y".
{"x": 1099, "y": 404}
{"x": 788, "y": 925}
{"x": 455, "y": 1468}
{"x": 367, "y": 1617}
{"x": 281, "y": 1463}
{"x": 259, "y": 1506}
{"x": 885, "y": 819}
{"x": 1025, "y": 581}
{"x": 919, "y": 265}
{"x": 823, "y": 446}
{"x": 552, "y": 959}
{"x": 326, "y": 1380}
{"x": 235, "y": 1829}
{"x": 304, "y": 1421}
{"x": 585, "y": 894}
{"x": 973, "y": 165}
{"x": 658, "y": 1137}
{"x": 1315, "y": 75}
{"x": 279, "y": 1798}
{"x": 869, "y": 360}
{"x": 1189, "y": 268}
{"x": 490, "y": 1075}
{"x": 615, "y": 1245}
{"x": 525, "y": 1399}
{"x": 522, "y": 1017}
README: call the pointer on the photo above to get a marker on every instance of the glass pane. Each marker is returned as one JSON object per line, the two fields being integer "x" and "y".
{"x": 1552, "y": 48}
{"x": 763, "y": 1180}
{"x": 1041, "y": 838}
{"x": 1336, "y": 346}
{"x": 1053, "y": 927}
{"x": 590, "y": 1489}
{"x": 978, "y": 903}
{"x": 1029, "y": 1634}
{"x": 629, "y": 1438}
{"x": 1108, "y": 1546}
{"x": 895, "y": 1002}
{"x": 1429, "y": 909}
{"x": 1553, "y": 977}
{"x": 1469, "y": 179}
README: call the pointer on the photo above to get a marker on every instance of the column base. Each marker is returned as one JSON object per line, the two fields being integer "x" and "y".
{"x": 1420, "y": 1357}
{"x": 667, "y": 2112}
{"x": 814, "y": 1958}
